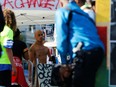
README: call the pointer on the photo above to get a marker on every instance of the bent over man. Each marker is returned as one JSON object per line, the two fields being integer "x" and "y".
{"x": 73, "y": 26}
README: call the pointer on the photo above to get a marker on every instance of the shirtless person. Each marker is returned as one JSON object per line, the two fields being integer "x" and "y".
{"x": 38, "y": 50}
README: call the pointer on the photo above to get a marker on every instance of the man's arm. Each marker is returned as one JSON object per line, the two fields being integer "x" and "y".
{"x": 25, "y": 51}
{"x": 10, "y": 56}
{"x": 62, "y": 35}
{"x": 32, "y": 55}
{"x": 32, "y": 59}
{"x": 26, "y": 55}
{"x": 49, "y": 55}
{"x": 7, "y": 44}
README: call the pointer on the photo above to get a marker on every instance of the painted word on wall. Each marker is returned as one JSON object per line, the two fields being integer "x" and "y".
{"x": 30, "y": 4}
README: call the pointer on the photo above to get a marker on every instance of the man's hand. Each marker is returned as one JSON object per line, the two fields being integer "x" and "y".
{"x": 65, "y": 71}
{"x": 52, "y": 58}
{"x": 14, "y": 70}
{"x": 29, "y": 78}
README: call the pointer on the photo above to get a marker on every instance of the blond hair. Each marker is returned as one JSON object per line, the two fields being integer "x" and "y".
{"x": 10, "y": 19}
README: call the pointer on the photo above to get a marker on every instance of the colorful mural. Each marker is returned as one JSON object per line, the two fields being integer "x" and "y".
{"x": 103, "y": 26}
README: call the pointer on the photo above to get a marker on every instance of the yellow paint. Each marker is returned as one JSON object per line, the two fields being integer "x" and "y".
{"x": 102, "y": 10}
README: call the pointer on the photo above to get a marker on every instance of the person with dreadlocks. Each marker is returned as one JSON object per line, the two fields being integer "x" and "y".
{"x": 6, "y": 60}
{"x": 20, "y": 51}
{"x": 77, "y": 37}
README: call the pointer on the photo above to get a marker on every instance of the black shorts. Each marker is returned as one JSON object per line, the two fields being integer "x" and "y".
{"x": 5, "y": 78}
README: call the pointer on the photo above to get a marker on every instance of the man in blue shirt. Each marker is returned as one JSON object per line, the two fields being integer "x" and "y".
{"x": 80, "y": 28}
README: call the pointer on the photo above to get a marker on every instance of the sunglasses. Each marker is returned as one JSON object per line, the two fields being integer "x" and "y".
{"x": 40, "y": 35}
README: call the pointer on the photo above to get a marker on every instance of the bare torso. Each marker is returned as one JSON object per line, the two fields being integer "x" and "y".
{"x": 40, "y": 52}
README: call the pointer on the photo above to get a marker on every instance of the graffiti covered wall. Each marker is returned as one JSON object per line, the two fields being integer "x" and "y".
{"x": 30, "y": 4}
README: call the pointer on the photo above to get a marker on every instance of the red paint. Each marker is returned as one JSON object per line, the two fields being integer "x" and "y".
{"x": 21, "y": 4}
{"x": 102, "y": 31}
{"x": 7, "y": 2}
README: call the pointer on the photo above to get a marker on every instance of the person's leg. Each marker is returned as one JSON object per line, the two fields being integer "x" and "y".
{"x": 5, "y": 78}
{"x": 85, "y": 75}
{"x": 15, "y": 77}
{"x": 21, "y": 77}
{"x": 33, "y": 80}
